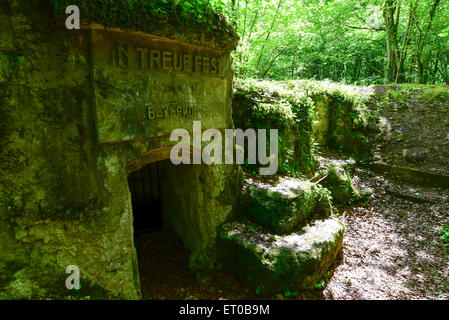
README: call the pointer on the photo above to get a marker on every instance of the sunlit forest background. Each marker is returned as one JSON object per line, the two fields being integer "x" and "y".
{"x": 351, "y": 41}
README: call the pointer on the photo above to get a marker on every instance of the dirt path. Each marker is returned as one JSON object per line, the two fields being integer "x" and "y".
{"x": 392, "y": 248}
{"x": 165, "y": 274}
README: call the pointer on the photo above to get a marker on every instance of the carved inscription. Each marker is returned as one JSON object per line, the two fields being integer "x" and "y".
{"x": 147, "y": 86}
{"x": 167, "y": 111}
{"x": 164, "y": 60}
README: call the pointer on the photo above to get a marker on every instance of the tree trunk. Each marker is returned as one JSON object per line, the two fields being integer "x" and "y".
{"x": 423, "y": 35}
{"x": 390, "y": 7}
{"x": 274, "y": 59}
{"x": 400, "y": 76}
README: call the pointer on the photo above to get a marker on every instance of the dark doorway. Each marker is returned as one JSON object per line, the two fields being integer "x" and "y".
{"x": 145, "y": 187}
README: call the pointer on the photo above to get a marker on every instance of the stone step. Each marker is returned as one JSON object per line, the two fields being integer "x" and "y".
{"x": 412, "y": 175}
{"x": 288, "y": 205}
{"x": 279, "y": 263}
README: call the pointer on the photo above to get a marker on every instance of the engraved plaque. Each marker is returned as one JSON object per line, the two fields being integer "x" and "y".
{"x": 147, "y": 86}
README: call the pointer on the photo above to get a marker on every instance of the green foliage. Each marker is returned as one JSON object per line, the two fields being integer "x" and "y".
{"x": 258, "y": 290}
{"x": 320, "y": 285}
{"x": 340, "y": 94}
{"x": 289, "y": 293}
{"x": 432, "y": 93}
{"x": 396, "y": 97}
{"x": 141, "y": 14}
{"x": 445, "y": 235}
{"x": 345, "y": 41}
{"x": 14, "y": 265}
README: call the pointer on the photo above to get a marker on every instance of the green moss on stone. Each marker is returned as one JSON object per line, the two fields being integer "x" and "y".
{"x": 288, "y": 205}
{"x": 141, "y": 14}
{"x": 335, "y": 115}
{"x": 267, "y": 105}
{"x": 56, "y": 289}
{"x": 66, "y": 194}
{"x": 279, "y": 263}
{"x": 339, "y": 182}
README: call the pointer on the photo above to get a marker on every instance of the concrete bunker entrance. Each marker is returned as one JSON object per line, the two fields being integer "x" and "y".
{"x": 160, "y": 250}
{"x": 165, "y": 211}
{"x": 146, "y": 198}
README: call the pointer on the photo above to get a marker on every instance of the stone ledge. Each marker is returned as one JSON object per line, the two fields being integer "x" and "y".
{"x": 288, "y": 205}
{"x": 280, "y": 263}
{"x": 413, "y": 175}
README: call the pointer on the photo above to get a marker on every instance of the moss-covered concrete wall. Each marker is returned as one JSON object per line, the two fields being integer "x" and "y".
{"x": 334, "y": 124}
{"x": 274, "y": 105}
{"x": 322, "y": 120}
{"x": 79, "y": 108}
{"x": 194, "y": 210}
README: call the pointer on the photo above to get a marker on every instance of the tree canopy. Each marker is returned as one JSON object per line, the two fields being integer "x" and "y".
{"x": 352, "y": 41}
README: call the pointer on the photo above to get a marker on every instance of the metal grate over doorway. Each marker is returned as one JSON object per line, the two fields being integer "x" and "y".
{"x": 145, "y": 187}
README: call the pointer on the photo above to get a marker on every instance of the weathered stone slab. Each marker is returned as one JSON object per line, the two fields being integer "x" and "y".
{"x": 280, "y": 263}
{"x": 413, "y": 175}
{"x": 288, "y": 205}
{"x": 147, "y": 86}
